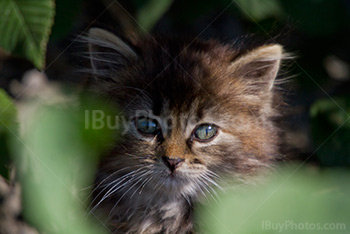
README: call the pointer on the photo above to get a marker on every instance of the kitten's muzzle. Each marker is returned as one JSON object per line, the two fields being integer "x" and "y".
{"x": 172, "y": 163}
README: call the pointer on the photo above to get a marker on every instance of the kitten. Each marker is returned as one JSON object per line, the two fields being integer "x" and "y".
{"x": 198, "y": 112}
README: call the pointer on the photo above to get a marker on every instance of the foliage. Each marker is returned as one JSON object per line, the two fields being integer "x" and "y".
{"x": 25, "y": 26}
{"x": 259, "y": 10}
{"x": 56, "y": 161}
{"x": 8, "y": 113}
{"x": 148, "y": 15}
{"x": 331, "y": 128}
{"x": 291, "y": 201}
{"x": 8, "y": 125}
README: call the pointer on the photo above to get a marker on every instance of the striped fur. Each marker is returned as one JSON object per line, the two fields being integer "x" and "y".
{"x": 182, "y": 84}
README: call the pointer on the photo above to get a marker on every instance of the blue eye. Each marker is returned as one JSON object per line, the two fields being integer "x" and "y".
{"x": 205, "y": 132}
{"x": 147, "y": 126}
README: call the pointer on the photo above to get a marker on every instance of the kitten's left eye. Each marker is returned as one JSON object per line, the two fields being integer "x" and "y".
{"x": 205, "y": 132}
{"x": 147, "y": 126}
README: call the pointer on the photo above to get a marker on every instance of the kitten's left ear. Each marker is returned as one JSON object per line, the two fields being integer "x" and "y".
{"x": 258, "y": 68}
{"x": 108, "y": 52}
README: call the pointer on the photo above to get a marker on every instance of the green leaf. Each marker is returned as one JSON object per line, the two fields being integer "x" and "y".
{"x": 148, "y": 15}
{"x": 57, "y": 163}
{"x": 260, "y": 9}
{"x": 8, "y": 125}
{"x": 330, "y": 125}
{"x": 8, "y": 113}
{"x": 25, "y": 27}
{"x": 304, "y": 201}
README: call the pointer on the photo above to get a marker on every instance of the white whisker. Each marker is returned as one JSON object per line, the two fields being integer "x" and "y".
{"x": 138, "y": 180}
{"x": 101, "y": 183}
{"x": 114, "y": 188}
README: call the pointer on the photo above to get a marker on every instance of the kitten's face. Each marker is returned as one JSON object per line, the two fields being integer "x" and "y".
{"x": 196, "y": 112}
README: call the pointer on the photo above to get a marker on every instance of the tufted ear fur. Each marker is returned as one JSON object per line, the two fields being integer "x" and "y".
{"x": 108, "y": 52}
{"x": 258, "y": 68}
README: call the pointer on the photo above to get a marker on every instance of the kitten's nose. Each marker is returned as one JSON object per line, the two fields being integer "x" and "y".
{"x": 172, "y": 163}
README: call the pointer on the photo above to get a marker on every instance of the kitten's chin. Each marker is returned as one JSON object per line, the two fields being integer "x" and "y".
{"x": 179, "y": 186}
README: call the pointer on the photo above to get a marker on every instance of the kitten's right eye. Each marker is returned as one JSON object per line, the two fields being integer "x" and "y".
{"x": 205, "y": 132}
{"x": 147, "y": 126}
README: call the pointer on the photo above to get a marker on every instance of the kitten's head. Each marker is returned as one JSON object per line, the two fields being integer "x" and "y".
{"x": 196, "y": 110}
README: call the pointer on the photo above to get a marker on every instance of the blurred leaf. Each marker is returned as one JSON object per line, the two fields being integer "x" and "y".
{"x": 98, "y": 135}
{"x": 8, "y": 113}
{"x": 67, "y": 12}
{"x": 260, "y": 9}
{"x": 5, "y": 156}
{"x": 289, "y": 202}
{"x": 149, "y": 14}
{"x": 25, "y": 27}
{"x": 59, "y": 159}
{"x": 328, "y": 118}
{"x": 8, "y": 125}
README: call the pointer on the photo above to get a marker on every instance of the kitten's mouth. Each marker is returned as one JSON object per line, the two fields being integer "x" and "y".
{"x": 174, "y": 186}
{"x": 176, "y": 182}
{"x": 173, "y": 178}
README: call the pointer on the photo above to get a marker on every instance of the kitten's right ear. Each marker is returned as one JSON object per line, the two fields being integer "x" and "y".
{"x": 258, "y": 68}
{"x": 108, "y": 52}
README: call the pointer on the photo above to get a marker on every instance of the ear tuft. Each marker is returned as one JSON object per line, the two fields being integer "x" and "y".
{"x": 259, "y": 67}
{"x": 107, "y": 51}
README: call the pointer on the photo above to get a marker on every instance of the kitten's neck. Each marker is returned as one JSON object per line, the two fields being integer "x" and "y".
{"x": 159, "y": 215}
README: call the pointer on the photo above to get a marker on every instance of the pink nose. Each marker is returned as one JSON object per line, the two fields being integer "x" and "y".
{"x": 172, "y": 163}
